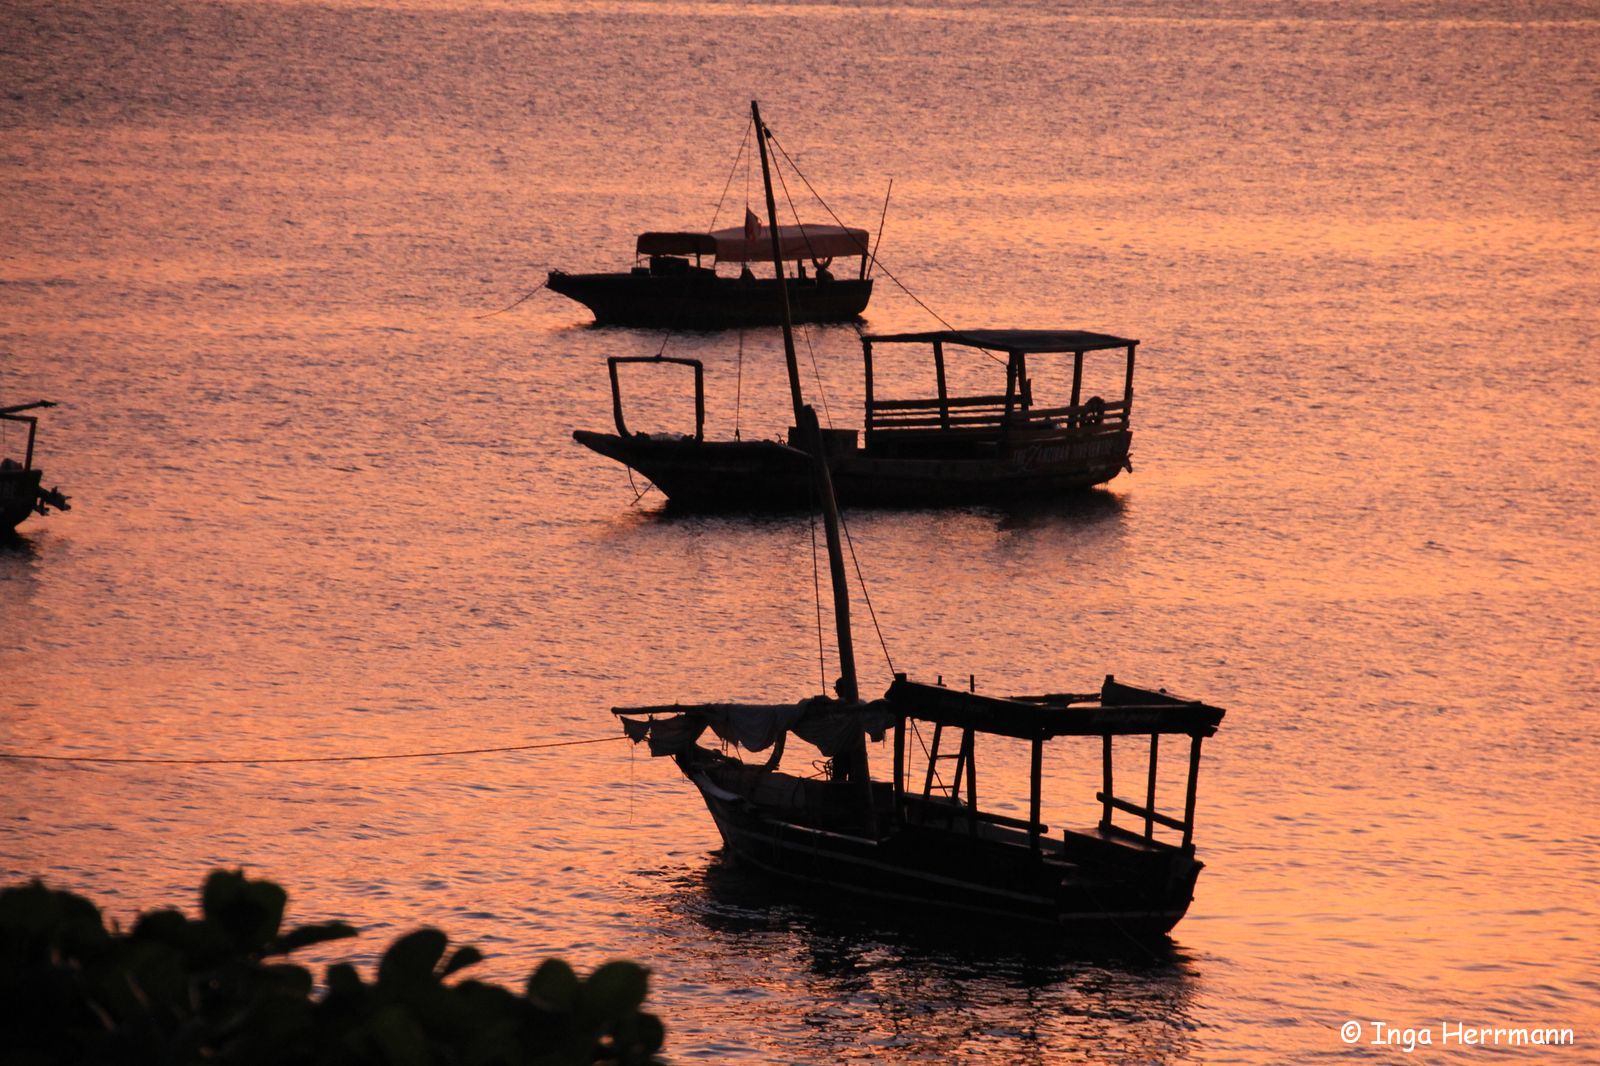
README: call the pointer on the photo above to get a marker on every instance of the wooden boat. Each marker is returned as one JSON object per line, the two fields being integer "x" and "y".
{"x": 21, "y": 491}
{"x": 1001, "y": 445}
{"x": 933, "y": 847}
{"x": 671, "y": 284}
{"x": 944, "y": 449}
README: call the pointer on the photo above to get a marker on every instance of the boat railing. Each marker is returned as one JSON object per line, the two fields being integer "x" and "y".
{"x": 987, "y": 415}
{"x": 699, "y": 389}
{"x": 14, "y": 414}
{"x": 949, "y": 809}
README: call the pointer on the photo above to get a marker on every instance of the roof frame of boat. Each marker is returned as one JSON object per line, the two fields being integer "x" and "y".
{"x": 1116, "y": 710}
{"x": 14, "y": 413}
{"x": 1013, "y": 341}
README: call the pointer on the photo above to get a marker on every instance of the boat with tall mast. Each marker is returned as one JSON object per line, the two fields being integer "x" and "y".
{"x": 933, "y": 847}
{"x": 22, "y": 492}
{"x": 674, "y": 281}
{"x": 1003, "y": 444}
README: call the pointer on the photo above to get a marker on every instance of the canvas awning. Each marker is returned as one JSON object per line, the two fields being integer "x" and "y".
{"x": 676, "y": 244}
{"x": 804, "y": 241}
{"x": 826, "y": 725}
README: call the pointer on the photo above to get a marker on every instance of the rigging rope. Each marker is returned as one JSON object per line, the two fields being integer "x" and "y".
{"x": 731, "y": 172}
{"x": 877, "y": 263}
{"x": 862, "y": 581}
{"x": 515, "y": 302}
{"x": 738, "y": 385}
{"x": 805, "y": 332}
{"x": 20, "y": 756}
{"x": 790, "y": 200}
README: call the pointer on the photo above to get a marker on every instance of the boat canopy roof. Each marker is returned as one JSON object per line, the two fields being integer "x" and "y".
{"x": 1011, "y": 340}
{"x": 1116, "y": 710}
{"x": 831, "y": 727}
{"x": 804, "y": 241}
{"x": 676, "y": 244}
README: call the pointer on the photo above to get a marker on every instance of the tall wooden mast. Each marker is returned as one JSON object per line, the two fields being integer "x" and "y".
{"x": 777, "y": 264}
{"x": 805, "y": 420}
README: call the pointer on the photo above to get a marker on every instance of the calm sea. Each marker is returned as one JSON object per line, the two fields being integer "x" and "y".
{"x": 323, "y": 507}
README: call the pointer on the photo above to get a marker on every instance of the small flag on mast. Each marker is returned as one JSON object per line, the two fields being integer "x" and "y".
{"x": 752, "y": 225}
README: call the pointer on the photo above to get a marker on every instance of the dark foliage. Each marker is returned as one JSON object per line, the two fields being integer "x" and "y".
{"x": 178, "y": 990}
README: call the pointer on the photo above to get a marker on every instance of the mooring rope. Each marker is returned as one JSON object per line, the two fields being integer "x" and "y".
{"x": 515, "y": 302}
{"x": 33, "y": 757}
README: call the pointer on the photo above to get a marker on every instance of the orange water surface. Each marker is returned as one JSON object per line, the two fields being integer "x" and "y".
{"x": 321, "y": 506}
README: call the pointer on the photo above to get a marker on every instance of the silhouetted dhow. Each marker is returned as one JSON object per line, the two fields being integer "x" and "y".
{"x": 21, "y": 490}
{"x": 1000, "y": 446}
{"x": 664, "y": 288}
{"x": 934, "y": 846}
{"x": 930, "y": 844}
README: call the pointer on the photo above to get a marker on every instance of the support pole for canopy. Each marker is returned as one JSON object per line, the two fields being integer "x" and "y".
{"x": 1127, "y": 388}
{"x": 1035, "y": 773}
{"x": 790, "y": 359}
{"x": 1194, "y": 781}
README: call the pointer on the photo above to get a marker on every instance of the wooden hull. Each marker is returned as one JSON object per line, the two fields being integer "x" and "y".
{"x": 19, "y": 493}
{"x": 953, "y": 874}
{"x": 764, "y": 474}
{"x": 705, "y": 301}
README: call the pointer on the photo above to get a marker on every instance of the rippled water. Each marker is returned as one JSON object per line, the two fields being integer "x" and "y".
{"x": 321, "y": 507}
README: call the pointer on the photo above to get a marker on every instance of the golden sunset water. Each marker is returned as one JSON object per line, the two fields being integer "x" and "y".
{"x": 322, "y": 507}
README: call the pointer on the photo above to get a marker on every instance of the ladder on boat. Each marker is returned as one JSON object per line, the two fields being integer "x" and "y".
{"x": 949, "y": 804}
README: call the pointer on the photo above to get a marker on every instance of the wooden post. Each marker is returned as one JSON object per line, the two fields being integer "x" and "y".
{"x": 866, "y": 358}
{"x": 1105, "y": 781}
{"x": 1024, "y": 386}
{"x": 969, "y": 746}
{"x": 699, "y": 402}
{"x": 1150, "y": 789}
{"x": 933, "y": 759}
{"x": 1011, "y": 398}
{"x": 1127, "y": 387}
{"x": 616, "y": 399}
{"x": 1077, "y": 385}
{"x": 790, "y": 359}
{"x": 1194, "y": 781}
{"x": 1035, "y": 773}
{"x": 944, "y": 397}
{"x": 899, "y": 791}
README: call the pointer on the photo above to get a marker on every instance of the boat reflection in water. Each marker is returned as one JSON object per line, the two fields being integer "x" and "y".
{"x": 934, "y": 992}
